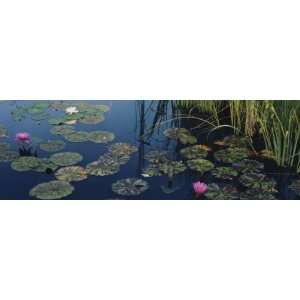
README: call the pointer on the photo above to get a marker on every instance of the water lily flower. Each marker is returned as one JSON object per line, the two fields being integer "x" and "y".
{"x": 72, "y": 110}
{"x": 200, "y": 188}
{"x": 23, "y": 137}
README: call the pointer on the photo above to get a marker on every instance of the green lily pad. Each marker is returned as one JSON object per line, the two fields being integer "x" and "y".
{"x": 4, "y": 146}
{"x": 258, "y": 181}
{"x": 181, "y": 134}
{"x": 251, "y": 194}
{"x": 200, "y": 165}
{"x": 52, "y": 190}
{"x": 193, "y": 152}
{"x": 3, "y": 132}
{"x": 45, "y": 165}
{"x": 41, "y": 105}
{"x": 231, "y": 155}
{"x": 77, "y": 136}
{"x": 102, "y": 107}
{"x": 295, "y": 186}
{"x": 226, "y": 173}
{"x": 233, "y": 141}
{"x": 248, "y": 166}
{"x": 19, "y": 113}
{"x": 74, "y": 173}
{"x": 169, "y": 168}
{"x": 25, "y": 163}
{"x": 40, "y": 116}
{"x": 53, "y": 146}
{"x": 8, "y": 156}
{"x": 92, "y": 119}
{"x": 121, "y": 149}
{"x": 62, "y": 129}
{"x": 156, "y": 156}
{"x": 65, "y": 159}
{"x": 104, "y": 166}
{"x": 101, "y": 136}
{"x": 130, "y": 187}
{"x": 56, "y": 121}
{"x": 221, "y": 192}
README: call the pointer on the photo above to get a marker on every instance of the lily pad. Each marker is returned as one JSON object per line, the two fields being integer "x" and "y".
{"x": 169, "y": 168}
{"x": 4, "y": 146}
{"x": 92, "y": 119}
{"x": 231, "y": 155}
{"x": 8, "y": 156}
{"x": 193, "y": 152}
{"x": 181, "y": 134}
{"x": 130, "y": 187}
{"x": 221, "y": 192}
{"x": 104, "y": 166}
{"x": 52, "y": 190}
{"x": 251, "y": 194}
{"x": 45, "y": 166}
{"x": 25, "y": 163}
{"x": 101, "y": 136}
{"x": 77, "y": 136}
{"x": 19, "y": 113}
{"x": 233, "y": 141}
{"x": 74, "y": 173}
{"x": 65, "y": 159}
{"x": 248, "y": 166}
{"x": 53, "y": 146}
{"x": 295, "y": 186}
{"x": 121, "y": 149}
{"x": 62, "y": 129}
{"x": 3, "y": 132}
{"x": 56, "y": 121}
{"x": 226, "y": 173}
{"x": 258, "y": 181}
{"x": 200, "y": 165}
{"x": 156, "y": 156}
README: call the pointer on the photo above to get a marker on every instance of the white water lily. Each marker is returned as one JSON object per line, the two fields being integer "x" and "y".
{"x": 72, "y": 110}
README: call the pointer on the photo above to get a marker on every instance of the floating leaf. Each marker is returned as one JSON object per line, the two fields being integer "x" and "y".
{"x": 101, "y": 136}
{"x": 251, "y": 194}
{"x": 25, "y": 163}
{"x": 45, "y": 166}
{"x": 233, "y": 141}
{"x": 121, "y": 149}
{"x": 62, "y": 129}
{"x": 52, "y": 190}
{"x": 53, "y": 146}
{"x": 130, "y": 187}
{"x": 156, "y": 156}
{"x": 104, "y": 166}
{"x": 169, "y": 168}
{"x": 200, "y": 165}
{"x": 226, "y": 173}
{"x": 92, "y": 119}
{"x": 65, "y": 159}
{"x": 231, "y": 155}
{"x": 8, "y": 156}
{"x": 258, "y": 181}
{"x": 3, "y": 132}
{"x": 193, "y": 152}
{"x": 40, "y": 116}
{"x": 77, "y": 136}
{"x": 181, "y": 134}
{"x": 295, "y": 186}
{"x": 56, "y": 121}
{"x": 4, "y": 146}
{"x": 248, "y": 166}
{"x": 74, "y": 173}
{"x": 221, "y": 192}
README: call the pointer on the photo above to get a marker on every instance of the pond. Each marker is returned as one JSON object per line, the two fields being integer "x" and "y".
{"x": 127, "y": 150}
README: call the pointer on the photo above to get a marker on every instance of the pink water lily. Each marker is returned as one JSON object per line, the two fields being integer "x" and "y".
{"x": 200, "y": 188}
{"x": 23, "y": 137}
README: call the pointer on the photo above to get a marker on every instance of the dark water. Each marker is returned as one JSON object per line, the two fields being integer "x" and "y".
{"x": 127, "y": 120}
